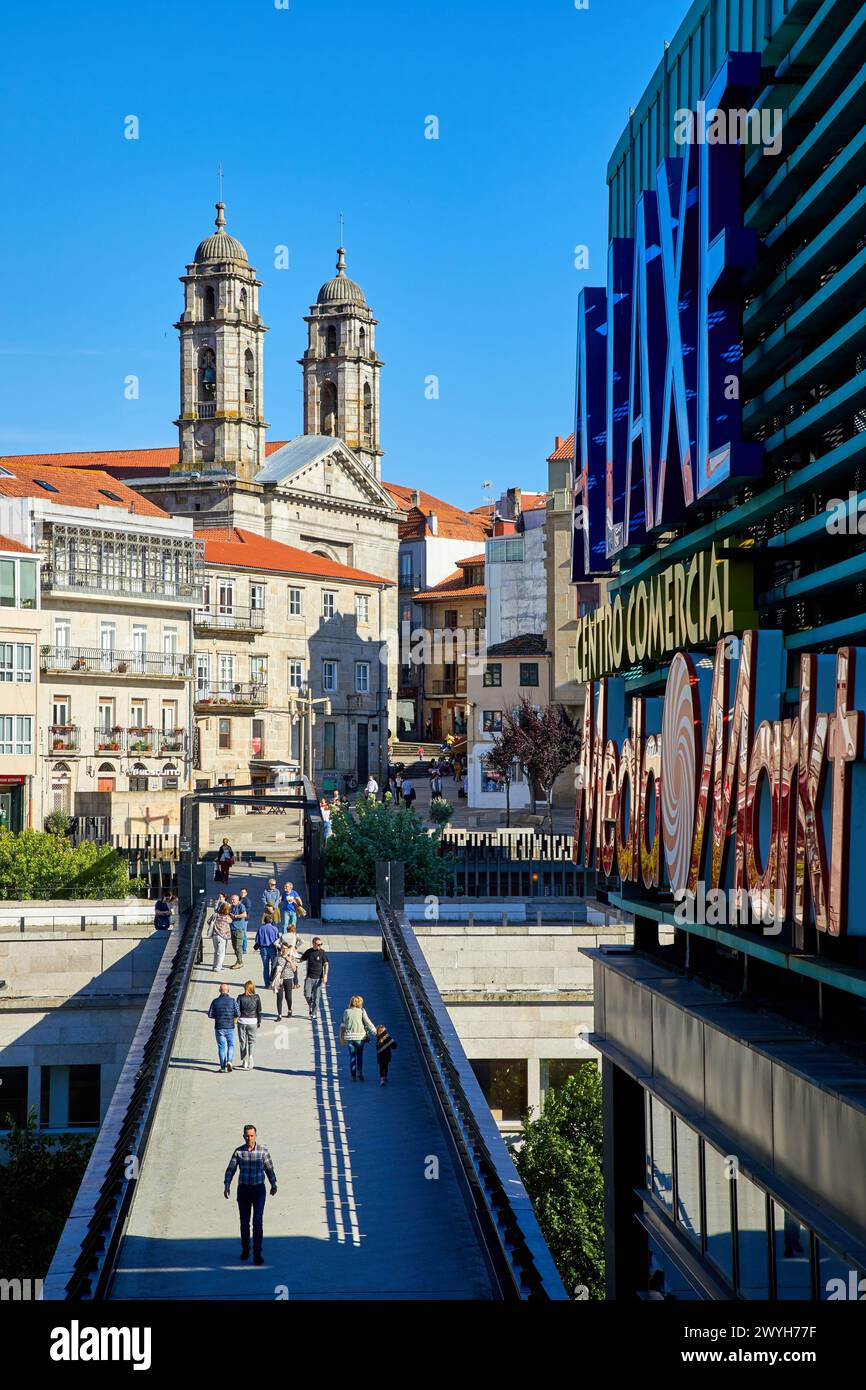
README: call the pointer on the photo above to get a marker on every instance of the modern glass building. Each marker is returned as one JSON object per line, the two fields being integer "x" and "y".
{"x": 734, "y": 1054}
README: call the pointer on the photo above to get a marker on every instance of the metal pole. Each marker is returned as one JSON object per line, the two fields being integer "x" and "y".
{"x": 310, "y": 737}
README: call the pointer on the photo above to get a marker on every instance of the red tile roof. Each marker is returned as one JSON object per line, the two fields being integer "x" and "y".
{"x": 472, "y": 560}
{"x": 452, "y": 523}
{"x": 563, "y": 449}
{"x": 73, "y": 487}
{"x": 245, "y": 550}
{"x": 120, "y": 463}
{"x": 451, "y": 588}
{"x": 7, "y": 543}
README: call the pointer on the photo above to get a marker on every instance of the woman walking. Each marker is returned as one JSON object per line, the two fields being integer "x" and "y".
{"x": 266, "y": 941}
{"x": 224, "y": 861}
{"x": 355, "y": 1029}
{"x": 283, "y": 978}
{"x": 221, "y": 930}
{"x": 249, "y": 1022}
{"x": 290, "y": 906}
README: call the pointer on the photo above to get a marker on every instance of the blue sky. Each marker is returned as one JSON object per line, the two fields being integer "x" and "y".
{"x": 464, "y": 245}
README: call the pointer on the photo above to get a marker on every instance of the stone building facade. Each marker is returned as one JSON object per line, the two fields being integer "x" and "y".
{"x": 453, "y": 645}
{"x": 21, "y": 624}
{"x": 277, "y": 623}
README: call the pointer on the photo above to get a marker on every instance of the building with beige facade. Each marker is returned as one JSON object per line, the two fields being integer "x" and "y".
{"x": 119, "y": 582}
{"x": 451, "y": 643}
{"x": 276, "y": 626}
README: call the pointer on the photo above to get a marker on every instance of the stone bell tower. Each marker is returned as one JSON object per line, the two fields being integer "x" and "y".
{"x": 221, "y": 424}
{"x": 341, "y": 369}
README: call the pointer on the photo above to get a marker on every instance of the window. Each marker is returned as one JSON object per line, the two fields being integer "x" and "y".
{"x": 479, "y": 618}
{"x": 368, "y": 414}
{"x": 249, "y": 378}
{"x": 491, "y": 721}
{"x": 13, "y": 1089}
{"x": 294, "y": 603}
{"x": 328, "y": 409}
{"x": 225, "y": 733}
{"x": 362, "y": 677}
{"x": 331, "y": 341}
{"x": 138, "y": 778}
{"x": 258, "y": 670}
{"x": 719, "y": 1232}
{"x": 329, "y": 603}
{"x": 16, "y": 735}
{"x": 60, "y": 707}
{"x": 202, "y": 671}
{"x": 226, "y": 669}
{"x": 258, "y": 738}
{"x": 754, "y": 1281}
{"x": 507, "y": 549}
{"x": 504, "y": 1085}
{"x": 329, "y": 677}
{"x": 112, "y": 496}
{"x": 16, "y": 662}
{"x": 47, "y": 487}
{"x": 296, "y": 675}
{"x": 210, "y": 303}
{"x": 84, "y": 1095}
{"x": 138, "y": 714}
{"x": 7, "y": 583}
{"x": 362, "y": 342}
{"x": 362, "y": 608}
{"x": 62, "y": 632}
{"x": 793, "y": 1262}
{"x": 688, "y": 1206}
{"x": 493, "y": 674}
{"x": 662, "y": 1177}
{"x": 257, "y": 598}
{"x": 226, "y": 597}
{"x": 105, "y": 715}
{"x": 329, "y": 747}
{"x": 556, "y": 1071}
{"x": 27, "y": 583}
{"x": 449, "y": 618}
{"x": 169, "y": 716}
{"x": 529, "y": 673}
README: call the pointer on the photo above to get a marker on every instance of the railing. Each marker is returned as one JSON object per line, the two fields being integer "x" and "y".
{"x": 94, "y": 582}
{"x": 206, "y": 410}
{"x": 63, "y": 738}
{"x": 448, "y": 686}
{"x": 109, "y": 740}
{"x": 171, "y": 741}
{"x": 84, "y": 1263}
{"x": 250, "y": 412}
{"x": 410, "y": 583}
{"x": 236, "y": 694}
{"x": 141, "y": 739}
{"x": 107, "y": 662}
{"x": 514, "y": 864}
{"x": 513, "y": 1239}
{"x": 230, "y": 620}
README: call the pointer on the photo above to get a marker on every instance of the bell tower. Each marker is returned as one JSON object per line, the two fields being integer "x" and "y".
{"x": 221, "y": 423}
{"x": 341, "y": 368}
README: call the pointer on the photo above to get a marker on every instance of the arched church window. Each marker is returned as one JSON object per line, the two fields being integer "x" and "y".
{"x": 328, "y": 410}
{"x": 362, "y": 342}
{"x": 368, "y": 414}
{"x": 249, "y": 377}
{"x": 207, "y": 374}
{"x": 243, "y": 303}
{"x": 210, "y": 302}
{"x": 331, "y": 348}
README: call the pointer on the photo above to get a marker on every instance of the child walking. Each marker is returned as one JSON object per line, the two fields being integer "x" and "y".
{"x": 385, "y": 1046}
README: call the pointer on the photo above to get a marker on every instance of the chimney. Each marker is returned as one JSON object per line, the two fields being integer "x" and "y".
{"x": 415, "y": 499}
{"x": 503, "y": 527}
{"x": 433, "y": 523}
{"x": 557, "y": 442}
{"x": 513, "y": 496}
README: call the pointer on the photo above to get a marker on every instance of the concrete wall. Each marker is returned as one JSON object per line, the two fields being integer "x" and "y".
{"x": 517, "y": 591}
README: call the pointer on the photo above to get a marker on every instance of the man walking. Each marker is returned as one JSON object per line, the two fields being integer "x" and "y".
{"x": 224, "y": 1011}
{"x": 317, "y": 974}
{"x": 271, "y": 895}
{"x": 252, "y": 1162}
{"x": 372, "y": 788}
{"x": 239, "y": 929}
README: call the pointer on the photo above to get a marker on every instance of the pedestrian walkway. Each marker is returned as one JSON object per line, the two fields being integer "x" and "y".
{"x": 369, "y": 1204}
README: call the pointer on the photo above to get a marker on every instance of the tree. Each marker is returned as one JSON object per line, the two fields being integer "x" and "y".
{"x": 560, "y": 1162}
{"x": 370, "y": 832}
{"x": 38, "y": 864}
{"x": 545, "y": 743}
{"x": 500, "y": 762}
{"x": 39, "y": 1177}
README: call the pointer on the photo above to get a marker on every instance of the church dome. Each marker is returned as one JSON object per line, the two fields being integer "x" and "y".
{"x": 341, "y": 290}
{"x": 220, "y": 246}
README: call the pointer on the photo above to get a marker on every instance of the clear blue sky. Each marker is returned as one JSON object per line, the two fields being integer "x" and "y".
{"x": 464, "y": 245}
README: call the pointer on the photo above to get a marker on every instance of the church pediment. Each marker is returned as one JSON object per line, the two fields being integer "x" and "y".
{"x": 318, "y": 463}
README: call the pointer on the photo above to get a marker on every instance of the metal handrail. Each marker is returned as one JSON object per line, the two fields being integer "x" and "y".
{"x": 516, "y": 1247}
{"x": 94, "y": 1265}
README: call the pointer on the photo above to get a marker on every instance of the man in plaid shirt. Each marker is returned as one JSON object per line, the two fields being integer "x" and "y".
{"x": 252, "y": 1161}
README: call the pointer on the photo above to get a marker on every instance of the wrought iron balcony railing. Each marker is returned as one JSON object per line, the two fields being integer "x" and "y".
{"x": 109, "y": 740}
{"x": 80, "y": 661}
{"x": 63, "y": 738}
{"x": 234, "y": 619}
{"x": 237, "y": 694}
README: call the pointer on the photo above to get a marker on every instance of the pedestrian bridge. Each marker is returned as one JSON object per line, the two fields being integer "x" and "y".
{"x": 397, "y": 1192}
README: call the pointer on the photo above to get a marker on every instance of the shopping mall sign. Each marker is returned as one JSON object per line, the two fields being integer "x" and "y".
{"x": 686, "y": 604}
{"x": 657, "y": 413}
{"x": 711, "y": 789}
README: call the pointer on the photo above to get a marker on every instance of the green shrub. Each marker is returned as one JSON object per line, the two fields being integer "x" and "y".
{"x": 39, "y": 1177}
{"x": 371, "y": 832}
{"x": 560, "y": 1164}
{"x": 441, "y": 812}
{"x": 38, "y": 864}
{"x": 57, "y": 823}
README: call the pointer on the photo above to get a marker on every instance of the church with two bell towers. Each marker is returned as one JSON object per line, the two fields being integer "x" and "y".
{"x": 322, "y": 490}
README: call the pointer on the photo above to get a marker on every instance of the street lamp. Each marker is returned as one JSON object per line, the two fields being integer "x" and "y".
{"x": 302, "y": 704}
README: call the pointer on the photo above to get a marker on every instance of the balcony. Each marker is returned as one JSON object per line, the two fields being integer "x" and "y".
{"x": 82, "y": 581}
{"x": 206, "y": 410}
{"x": 234, "y": 619}
{"x": 63, "y": 738}
{"x": 171, "y": 742}
{"x": 142, "y": 740}
{"x": 109, "y": 740}
{"x": 247, "y": 695}
{"x": 410, "y": 584}
{"x": 83, "y": 661}
{"x": 250, "y": 412}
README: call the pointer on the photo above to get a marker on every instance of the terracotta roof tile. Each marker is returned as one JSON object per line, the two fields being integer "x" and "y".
{"x": 472, "y": 560}
{"x": 7, "y": 543}
{"x": 563, "y": 451}
{"x": 242, "y": 549}
{"x": 452, "y": 587}
{"x": 73, "y": 487}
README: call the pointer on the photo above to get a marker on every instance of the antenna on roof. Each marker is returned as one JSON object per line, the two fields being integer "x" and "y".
{"x": 220, "y": 171}
{"x": 341, "y": 229}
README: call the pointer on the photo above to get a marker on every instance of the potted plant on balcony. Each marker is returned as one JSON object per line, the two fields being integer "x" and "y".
{"x": 121, "y": 667}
